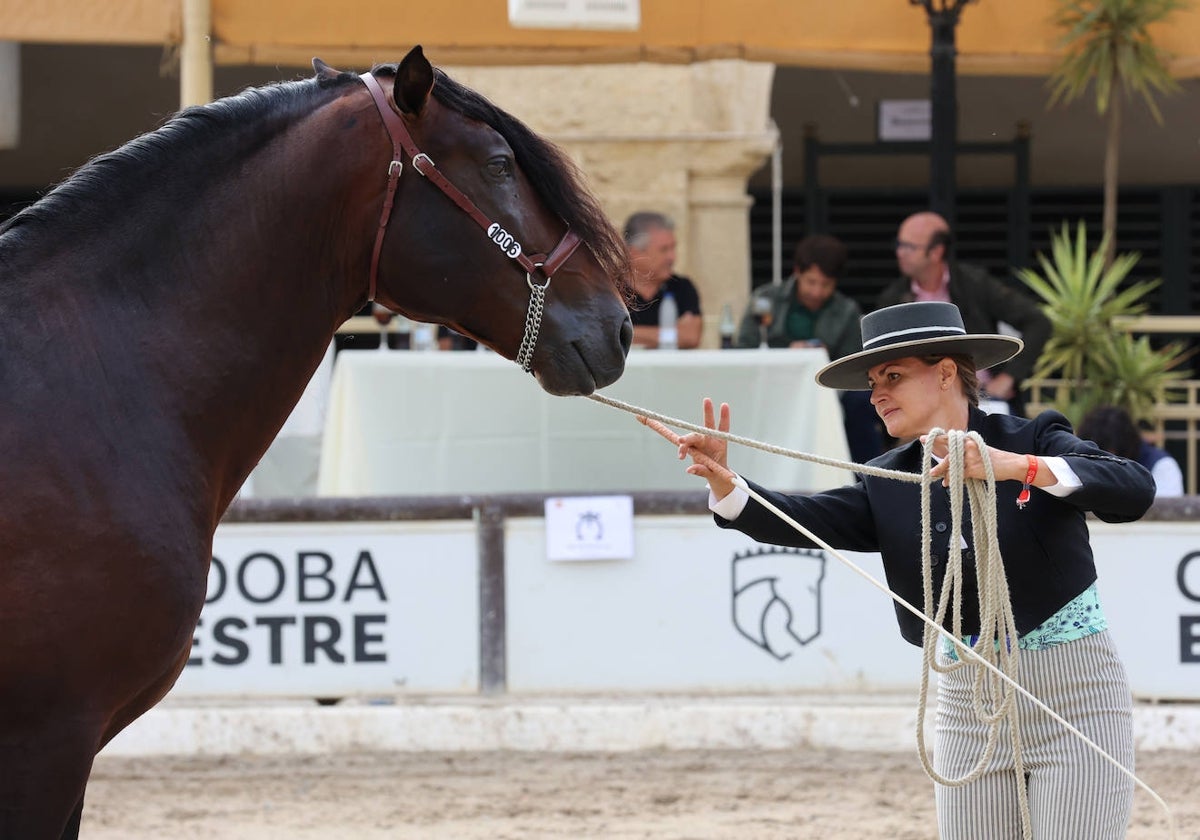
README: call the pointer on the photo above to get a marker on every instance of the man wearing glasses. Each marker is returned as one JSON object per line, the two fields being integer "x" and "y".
{"x": 928, "y": 272}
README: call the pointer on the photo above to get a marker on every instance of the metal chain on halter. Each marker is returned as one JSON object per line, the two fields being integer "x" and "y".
{"x": 533, "y": 322}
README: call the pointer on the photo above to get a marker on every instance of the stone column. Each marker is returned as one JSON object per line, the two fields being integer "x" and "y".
{"x": 680, "y": 139}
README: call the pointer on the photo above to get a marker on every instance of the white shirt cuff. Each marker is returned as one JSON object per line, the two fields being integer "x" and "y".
{"x": 731, "y": 506}
{"x": 1068, "y": 482}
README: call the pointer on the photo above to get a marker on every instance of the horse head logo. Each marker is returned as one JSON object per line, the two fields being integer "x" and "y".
{"x": 589, "y": 526}
{"x": 777, "y": 597}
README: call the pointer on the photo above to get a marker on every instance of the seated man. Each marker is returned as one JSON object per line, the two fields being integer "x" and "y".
{"x": 807, "y": 310}
{"x": 650, "y": 238}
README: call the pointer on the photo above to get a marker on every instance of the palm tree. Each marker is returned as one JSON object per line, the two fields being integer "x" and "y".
{"x": 1107, "y": 42}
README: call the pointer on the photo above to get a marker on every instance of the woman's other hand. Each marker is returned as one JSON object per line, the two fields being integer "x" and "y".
{"x": 1006, "y": 466}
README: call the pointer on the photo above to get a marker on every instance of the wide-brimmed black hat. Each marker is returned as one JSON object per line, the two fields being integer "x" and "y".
{"x": 923, "y": 328}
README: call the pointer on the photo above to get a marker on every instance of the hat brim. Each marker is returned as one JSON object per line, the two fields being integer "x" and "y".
{"x": 849, "y": 373}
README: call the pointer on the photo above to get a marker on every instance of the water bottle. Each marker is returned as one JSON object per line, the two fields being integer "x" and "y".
{"x": 424, "y": 336}
{"x": 668, "y": 315}
{"x": 728, "y": 327}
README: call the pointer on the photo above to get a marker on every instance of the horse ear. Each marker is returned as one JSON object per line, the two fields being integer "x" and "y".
{"x": 414, "y": 81}
{"x": 324, "y": 71}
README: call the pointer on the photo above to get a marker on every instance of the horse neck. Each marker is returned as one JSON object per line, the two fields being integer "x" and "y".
{"x": 234, "y": 295}
{"x": 298, "y": 266}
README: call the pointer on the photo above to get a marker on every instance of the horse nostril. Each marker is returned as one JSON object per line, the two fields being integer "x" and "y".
{"x": 626, "y": 336}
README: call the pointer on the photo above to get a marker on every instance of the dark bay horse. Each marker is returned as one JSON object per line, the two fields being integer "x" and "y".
{"x": 161, "y": 312}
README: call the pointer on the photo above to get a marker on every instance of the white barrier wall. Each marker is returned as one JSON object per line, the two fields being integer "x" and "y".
{"x": 698, "y": 608}
{"x": 331, "y": 609}
{"x": 1150, "y": 590}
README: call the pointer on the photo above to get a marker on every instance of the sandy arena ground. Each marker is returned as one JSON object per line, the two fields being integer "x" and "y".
{"x": 536, "y": 796}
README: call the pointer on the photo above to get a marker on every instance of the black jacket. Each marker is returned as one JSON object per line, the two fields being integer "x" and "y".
{"x": 1047, "y": 556}
{"x": 983, "y": 301}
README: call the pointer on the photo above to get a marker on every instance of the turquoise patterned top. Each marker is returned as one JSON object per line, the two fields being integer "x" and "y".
{"x": 1080, "y": 617}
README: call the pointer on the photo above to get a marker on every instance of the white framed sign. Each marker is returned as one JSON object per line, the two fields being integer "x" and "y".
{"x": 575, "y": 14}
{"x": 905, "y": 120}
{"x": 589, "y": 528}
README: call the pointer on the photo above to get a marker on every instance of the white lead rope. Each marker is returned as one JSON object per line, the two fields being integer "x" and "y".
{"x": 964, "y": 652}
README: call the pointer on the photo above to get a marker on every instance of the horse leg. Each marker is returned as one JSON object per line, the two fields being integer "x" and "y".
{"x": 145, "y": 700}
{"x": 43, "y": 774}
{"x": 45, "y": 762}
{"x": 71, "y": 832}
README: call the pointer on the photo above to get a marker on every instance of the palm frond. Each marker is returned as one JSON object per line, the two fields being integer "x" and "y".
{"x": 1106, "y": 44}
{"x": 1082, "y": 297}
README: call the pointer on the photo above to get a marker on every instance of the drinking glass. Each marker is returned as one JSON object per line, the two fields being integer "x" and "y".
{"x": 761, "y": 309}
{"x": 383, "y": 316}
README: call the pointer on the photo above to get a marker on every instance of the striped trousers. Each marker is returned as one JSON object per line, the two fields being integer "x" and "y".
{"x": 1074, "y": 793}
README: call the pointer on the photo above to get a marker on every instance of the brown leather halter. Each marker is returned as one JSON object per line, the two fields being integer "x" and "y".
{"x": 544, "y": 264}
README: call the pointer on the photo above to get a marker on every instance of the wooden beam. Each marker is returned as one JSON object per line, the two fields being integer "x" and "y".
{"x": 195, "y": 58}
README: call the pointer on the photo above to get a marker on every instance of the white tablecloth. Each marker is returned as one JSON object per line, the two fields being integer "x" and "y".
{"x": 409, "y": 423}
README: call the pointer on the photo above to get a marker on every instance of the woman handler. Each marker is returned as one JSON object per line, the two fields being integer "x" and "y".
{"x": 921, "y": 369}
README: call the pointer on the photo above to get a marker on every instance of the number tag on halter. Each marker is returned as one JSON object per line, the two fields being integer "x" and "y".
{"x": 505, "y": 240}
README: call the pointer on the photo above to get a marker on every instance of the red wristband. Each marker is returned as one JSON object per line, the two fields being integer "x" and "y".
{"x": 1030, "y": 475}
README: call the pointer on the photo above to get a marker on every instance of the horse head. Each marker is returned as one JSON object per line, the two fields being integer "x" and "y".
{"x": 483, "y": 234}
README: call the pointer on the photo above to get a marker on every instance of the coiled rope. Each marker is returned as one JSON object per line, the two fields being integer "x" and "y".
{"x": 993, "y": 699}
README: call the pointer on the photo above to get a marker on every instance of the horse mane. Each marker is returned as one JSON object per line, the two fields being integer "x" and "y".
{"x": 555, "y": 176}
{"x": 105, "y": 185}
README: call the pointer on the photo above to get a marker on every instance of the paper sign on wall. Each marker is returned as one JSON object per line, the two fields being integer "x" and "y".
{"x": 589, "y": 528}
{"x": 905, "y": 120}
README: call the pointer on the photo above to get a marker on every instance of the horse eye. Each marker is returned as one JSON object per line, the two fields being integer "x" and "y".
{"x": 500, "y": 167}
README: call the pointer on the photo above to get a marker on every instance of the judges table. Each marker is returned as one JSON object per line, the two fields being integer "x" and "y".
{"x": 420, "y": 423}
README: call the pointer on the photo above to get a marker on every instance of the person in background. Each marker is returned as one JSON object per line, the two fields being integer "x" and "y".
{"x": 448, "y": 339}
{"x": 807, "y": 310}
{"x": 650, "y": 238}
{"x": 1112, "y": 429}
{"x": 409, "y": 336}
{"x": 928, "y": 272}
{"x": 920, "y": 366}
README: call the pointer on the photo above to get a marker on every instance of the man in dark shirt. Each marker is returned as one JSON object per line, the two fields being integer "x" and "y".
{"x": 650, "y": 238}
